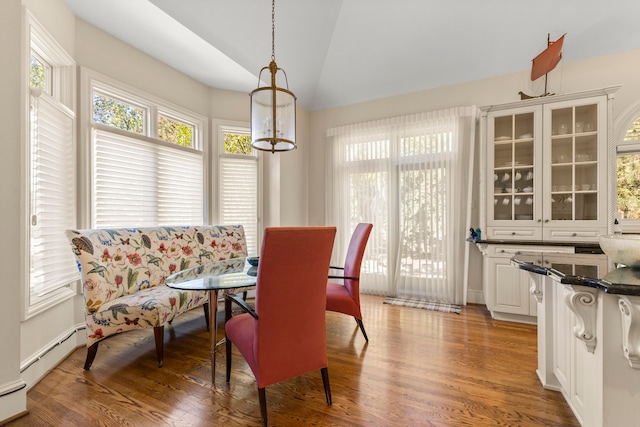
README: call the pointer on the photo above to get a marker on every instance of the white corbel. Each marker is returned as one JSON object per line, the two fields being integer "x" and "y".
{"x": 630, "y": 316}
{"x": 583, "y": 302}
{"x": 536, "y": 285}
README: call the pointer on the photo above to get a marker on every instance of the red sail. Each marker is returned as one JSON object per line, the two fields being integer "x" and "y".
{"x": 547, "y": 60}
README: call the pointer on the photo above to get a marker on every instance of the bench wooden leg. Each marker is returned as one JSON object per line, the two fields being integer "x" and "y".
{"x": 158, "y": 332}
{"x": 91, "y": 354}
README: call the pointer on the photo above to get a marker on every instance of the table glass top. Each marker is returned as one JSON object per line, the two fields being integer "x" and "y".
{"x": 227, "y": 274}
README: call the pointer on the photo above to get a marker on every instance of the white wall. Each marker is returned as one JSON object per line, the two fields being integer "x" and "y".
{"x": 10, "y": 108}
{"x": 23, "y": 341}
{"x": 577, "y": 76}
{"x": 100, "y": 52}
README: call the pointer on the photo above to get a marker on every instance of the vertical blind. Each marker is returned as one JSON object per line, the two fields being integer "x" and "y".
{"x": 239, "y": 196}
{"x": 139, "y": 182}
{"x": 409, "y": 176}
{"x": 52, "y": 204}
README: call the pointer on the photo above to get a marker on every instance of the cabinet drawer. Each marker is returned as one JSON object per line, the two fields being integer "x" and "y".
{"x": 508, "y": 250}
{"x": 513, "y": 233}
{"x": 588, "y": 235}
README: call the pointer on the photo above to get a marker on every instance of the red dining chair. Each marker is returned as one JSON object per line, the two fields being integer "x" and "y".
{"x": 345, "y": 298}
{"x": 285, "y": 336}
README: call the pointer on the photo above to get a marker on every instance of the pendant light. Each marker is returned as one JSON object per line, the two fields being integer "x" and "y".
{"x": 273, "y": 109}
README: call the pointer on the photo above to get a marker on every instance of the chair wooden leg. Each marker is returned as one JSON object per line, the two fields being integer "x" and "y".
{"x": 227, "y": 343}
{"x": 158, "y": 332}
{"x": 359, "y": 322}
{"x": 325, "y": 382}
{"x": 91, "y": 354}
{"x": 263, "y": 405}
{"x": 227, "y": 346}
{"x": 206, "y": 313}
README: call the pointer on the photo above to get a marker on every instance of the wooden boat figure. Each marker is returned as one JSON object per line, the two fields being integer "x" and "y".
{"x": 544, "y": 63}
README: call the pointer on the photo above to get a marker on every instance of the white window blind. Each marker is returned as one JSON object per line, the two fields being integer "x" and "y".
{"x": 52, "y": 204}
{"x": 140, "y": 182}
{"x": 239, "y": 196}
{"x": 411, "y": 177}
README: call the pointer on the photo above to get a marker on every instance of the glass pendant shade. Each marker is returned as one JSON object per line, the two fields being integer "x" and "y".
{"x": 273, "y": 116}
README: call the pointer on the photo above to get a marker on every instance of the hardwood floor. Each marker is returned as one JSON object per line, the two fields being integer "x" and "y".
{"x": 420, "y": 368}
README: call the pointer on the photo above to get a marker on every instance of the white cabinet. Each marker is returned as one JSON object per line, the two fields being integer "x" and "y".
{"x": 509, "y": 293}
{"x": 573, "y": 365}
{"x": 507, "y": 289}
{"x": 544, "y": 168}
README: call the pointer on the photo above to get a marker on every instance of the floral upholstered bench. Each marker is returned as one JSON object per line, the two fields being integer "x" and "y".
{"x": 123, "y": 274}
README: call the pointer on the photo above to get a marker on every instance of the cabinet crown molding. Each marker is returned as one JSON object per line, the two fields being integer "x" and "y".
{"x": 609, "y": 91}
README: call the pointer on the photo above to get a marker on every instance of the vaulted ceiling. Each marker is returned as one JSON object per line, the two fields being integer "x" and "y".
{"x": 340, "y": 52}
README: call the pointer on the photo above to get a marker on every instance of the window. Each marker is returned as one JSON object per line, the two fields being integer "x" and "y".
{"x": 147, "y": 158}
{"x": 409, "y": 176}
{"x": 50, "y": 182}
{"x": 238, "y": 189}
{"x": 175, "y": 131}
{"x": 628, "y": 177}
{"x": 40, "y": 73}
{"x": 118, "y": 113}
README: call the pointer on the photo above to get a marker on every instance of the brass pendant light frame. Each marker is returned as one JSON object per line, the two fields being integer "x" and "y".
{"x": 273, "y": 141}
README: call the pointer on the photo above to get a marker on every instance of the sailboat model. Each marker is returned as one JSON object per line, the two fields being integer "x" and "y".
{"x": 544, "y": 63}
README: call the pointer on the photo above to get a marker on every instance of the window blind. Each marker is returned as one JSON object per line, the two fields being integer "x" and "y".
{"x": 52, "y": 204}
{"x": 138, "y": 182}
{"x": 411, "y": 177}
{"x": 239, "y": 196}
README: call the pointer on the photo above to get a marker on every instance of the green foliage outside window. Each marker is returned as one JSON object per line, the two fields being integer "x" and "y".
{"x": 629, "y": 186}
{"x": 237, "y": 144}
{"x": 119, "y": 114}
{"x": 628, "y": 174}
{"x": 174, "y": 131}
{"x": 37, "y": 76}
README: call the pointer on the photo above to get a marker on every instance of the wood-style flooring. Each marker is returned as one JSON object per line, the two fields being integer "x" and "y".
{"x": 420, "y": 368}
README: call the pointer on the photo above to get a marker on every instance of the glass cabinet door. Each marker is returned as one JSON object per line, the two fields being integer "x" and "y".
{"x": 574, "y": 163}
{"x": 513, "y": 167}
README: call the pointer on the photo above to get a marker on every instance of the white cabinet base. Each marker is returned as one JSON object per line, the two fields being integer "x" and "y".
{"x": 593, "y": 374}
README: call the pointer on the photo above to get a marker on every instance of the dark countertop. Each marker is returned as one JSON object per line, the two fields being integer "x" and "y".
{"x": 619, "y": 281}
{"x": 581, "y": 247}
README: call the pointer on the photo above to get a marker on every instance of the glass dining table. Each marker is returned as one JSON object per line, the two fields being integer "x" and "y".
{"x": 228, "y": 275}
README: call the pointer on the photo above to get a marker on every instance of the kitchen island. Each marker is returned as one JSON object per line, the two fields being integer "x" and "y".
{"x": 589, "y": 340}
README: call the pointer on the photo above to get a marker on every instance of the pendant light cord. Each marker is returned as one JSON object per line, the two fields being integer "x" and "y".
{"x": 273, "y": 30}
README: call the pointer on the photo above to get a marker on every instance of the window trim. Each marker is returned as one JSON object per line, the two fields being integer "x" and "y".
{"x": 621, "y": 147}
{"x": 62, "y": 86}
{"x": 153, "y": 105}
{"x": 220, "y": 127}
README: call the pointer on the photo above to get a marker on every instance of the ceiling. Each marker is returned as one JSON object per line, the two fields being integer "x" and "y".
{"x": 340, "y": 52}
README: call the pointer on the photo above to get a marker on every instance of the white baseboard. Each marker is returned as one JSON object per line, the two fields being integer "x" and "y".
{"x": 475, "y": 297}
{"x": 40, "y": 363}
{"x": 13, "y": 400}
